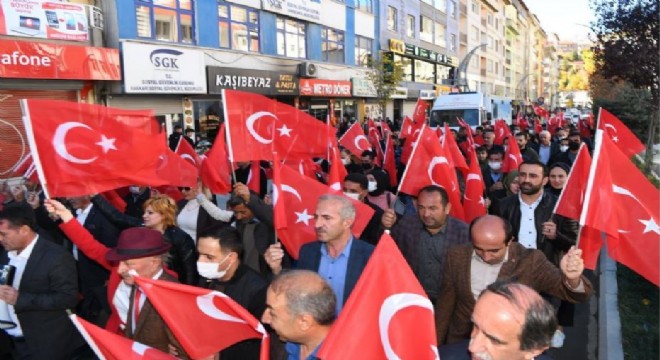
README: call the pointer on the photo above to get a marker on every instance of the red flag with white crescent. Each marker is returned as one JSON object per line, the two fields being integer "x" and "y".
{"x": 354, "y": 140}
{"x": 619, "y": 133}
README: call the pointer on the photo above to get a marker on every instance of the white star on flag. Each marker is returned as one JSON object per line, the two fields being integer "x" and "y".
{"x": 650, "y": 226}
{"x": 303, "y": 217}
{"x": 615, "y": 138}
{"x": 106, "y": 144}
{"x": 284, "y": 131}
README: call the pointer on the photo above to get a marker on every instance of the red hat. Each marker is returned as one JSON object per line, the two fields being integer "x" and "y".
{"x": 138, "y": 242}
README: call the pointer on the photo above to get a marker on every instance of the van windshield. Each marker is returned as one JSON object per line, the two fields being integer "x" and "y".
{"x": 440, "y": 117}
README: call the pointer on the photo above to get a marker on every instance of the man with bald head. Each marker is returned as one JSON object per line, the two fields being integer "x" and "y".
{"x": 300, "y": 307}
{"x": 493, "y": 256}
{"x": 546, "y": 148}
{"x": 511, "y": 322}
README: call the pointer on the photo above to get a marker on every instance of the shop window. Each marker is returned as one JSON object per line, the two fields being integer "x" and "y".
{"x": 165, "y": 20}
{"x": 406, "y": 66}
{"x": 363, "y": 48}
{"x": 424, "y": 72}
{"x": 332, "y": 47}
{"x": 291, "y": 38}
{"x": 365, "y": 5}
{"x": 426, "y": 29}
{"x": 238, "y": 27}
{"x": 391, "y": 18}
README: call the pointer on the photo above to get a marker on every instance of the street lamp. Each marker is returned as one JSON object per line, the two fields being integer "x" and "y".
{"x": 460, "y": 78}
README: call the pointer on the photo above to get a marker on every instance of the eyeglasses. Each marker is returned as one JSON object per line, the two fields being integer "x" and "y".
{"x": 185, "y": 188}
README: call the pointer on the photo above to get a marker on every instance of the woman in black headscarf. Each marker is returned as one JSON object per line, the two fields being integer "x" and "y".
{"x": 379, "y": 194}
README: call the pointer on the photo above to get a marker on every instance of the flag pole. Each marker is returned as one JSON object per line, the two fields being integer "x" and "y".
{"x": 592, "y": 172}
{"x": 412, "y": 154}
{"x": 29, "y": 131}
{"x": 230, "y": 149}
{"x": 86, "y": 336}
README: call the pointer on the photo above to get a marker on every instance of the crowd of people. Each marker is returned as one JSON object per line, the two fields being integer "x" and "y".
{"x": 503, "y": 286}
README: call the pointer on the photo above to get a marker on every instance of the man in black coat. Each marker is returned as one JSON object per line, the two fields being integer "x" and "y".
{"x": 356, "y": 186}
{"x": 44, "y": 288}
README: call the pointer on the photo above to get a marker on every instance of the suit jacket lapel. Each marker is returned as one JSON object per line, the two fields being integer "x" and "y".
{"x": 352, "y": 269}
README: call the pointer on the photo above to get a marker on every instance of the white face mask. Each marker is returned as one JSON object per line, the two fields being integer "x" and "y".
{"x": 563, "y": 148}
{"x": 495, "y": 165}
{"x": 134, "y": 189}
{"x": 353, "y": 196}
{"x": 210, "y": 270}
{"x": 346, "y": 161}
{"x": 373, "y": 186}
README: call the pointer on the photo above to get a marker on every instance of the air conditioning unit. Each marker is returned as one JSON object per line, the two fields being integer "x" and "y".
{"x": 307, "y": 69}
{"x": 95, "y": 17}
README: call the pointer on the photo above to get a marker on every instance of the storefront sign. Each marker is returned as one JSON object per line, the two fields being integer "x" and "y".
{"x": 317, "y": 87}
{"x": 399, "y": 93}
{"x": 162, "y": 69}
{"x": 397, "y": 46}
{"x": 37, "y": 60}
{"x": 256, "y": 81}
{"x": 427, "y": 94}
{"x": 43, "y": 19}
{"x": 309, "y": 10}
{"x": 363, "y": 88}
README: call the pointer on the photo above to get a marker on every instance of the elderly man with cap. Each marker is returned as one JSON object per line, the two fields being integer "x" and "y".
{"x": 138, "y": 249}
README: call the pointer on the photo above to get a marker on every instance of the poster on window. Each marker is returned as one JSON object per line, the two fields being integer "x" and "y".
{"x": 309, "y": 10}
{"x": 43, "y": 19}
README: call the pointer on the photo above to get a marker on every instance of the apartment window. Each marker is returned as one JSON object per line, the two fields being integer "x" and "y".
{"x": 363, "y": 48}
{"x": 365, "y": 5}
{"x": 441, "y": 5}
{"x": 165, "y": 20}
{"x": 410, "y": 26}
{"x": 291, "y": 38}
{"x": 474, "y": 33}
{"x": 491, "y": 42}
{"x": 474, "y": 6}
{"x": 332, "y": 47}
{"x": 439, "y": 38}
{"x": 497, "y": 68}
{"x": 426, "y": 29}
{"x": 452, "y": 9}
{"x": 489, "y": 18}
{"x": 452, "y": 42}
{"x": 424, "y": 72}
{"x": 239, "y": 27}
{"x": 489, "y": 65}
{"x": 391, "y": 18}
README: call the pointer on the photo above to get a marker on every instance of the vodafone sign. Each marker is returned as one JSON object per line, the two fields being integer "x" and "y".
{"x": 36, "y": 60}
{"x": 332, "y": 88}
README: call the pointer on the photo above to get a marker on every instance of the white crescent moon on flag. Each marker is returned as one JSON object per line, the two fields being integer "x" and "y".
{"x": 60, "y": 145}
{"x": 291, "y": 190}
{"x": 205, "y": 304}
{"x": 436, "y": 161}
{"x": 188, "y": 157}
{"x": 392, "y": 305}
{"x": 357, "y": 141}
{"x": 613, "y": 128}
{"x": 250, "y": 125}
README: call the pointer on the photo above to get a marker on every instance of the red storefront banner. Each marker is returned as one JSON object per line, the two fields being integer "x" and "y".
{"x": 317, "y": 87}
{"x": 40, "y": 60}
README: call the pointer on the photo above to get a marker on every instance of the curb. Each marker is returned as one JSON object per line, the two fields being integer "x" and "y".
{"x": 609, "y": 320}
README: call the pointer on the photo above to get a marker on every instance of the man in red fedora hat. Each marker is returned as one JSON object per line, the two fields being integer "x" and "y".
{"x": 139, "y": 249}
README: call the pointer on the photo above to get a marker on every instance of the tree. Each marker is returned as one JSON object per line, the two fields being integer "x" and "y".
{"x": 626, "y": 50}
{"x": 385, "y": 75}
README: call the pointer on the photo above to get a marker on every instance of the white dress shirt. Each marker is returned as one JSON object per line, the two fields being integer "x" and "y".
{"x": 19, "y": 261}
{"x": 81, "y": 216}
{"x": 527, "y": 231}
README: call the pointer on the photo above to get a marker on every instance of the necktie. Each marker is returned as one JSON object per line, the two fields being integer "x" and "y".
{"x": 136, "y": 307}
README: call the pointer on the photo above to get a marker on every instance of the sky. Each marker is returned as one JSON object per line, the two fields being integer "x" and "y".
{"x": 567, "y": 18}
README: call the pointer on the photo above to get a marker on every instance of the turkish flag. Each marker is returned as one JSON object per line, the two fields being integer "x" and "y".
{"x": 619, "y": 133}
{"x": 385, "y": 129}
{"x": 419, "y": 115}
{"x": 389, "y": 163}
{"x": 406, "y": 127}
{"x": 86, "y": 149}
{"x": 110, "y": 346}
{"x": 354, "y": 140}
{"x": 450, "y": 147}
{"x": 389, "y": 303}
{"x": 297, "y": 197}
{"x": 202, "y": 320}
{"x": 537, "y": 126}
{"x": 337, "y": 169}
{"x": 279, "y": 209}
{"x": 473, "y": 199}
{"x": 26, "y": 169}
{"x": 502, "y": 131}
{"x": 538, "y": 110}
{"x": 188, "y": 153}
{"x": 115, "y": 199}
{"x": 412, "y": 138}
{"x": 429, "y": 165}
{"x": 554, "y": 123}
{"x": 254, "y": 178}
{"x": 216, "y": 169}
{"x": 621, "y": 202}
{"x": 571, "y": 201}
{"x": 257, "y": 126}
{"x": 374, "y": 139}
{"x": 512, "y": 156}
{"x": 176, "y": 170}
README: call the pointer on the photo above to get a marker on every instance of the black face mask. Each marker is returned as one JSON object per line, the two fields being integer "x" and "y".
{"x": 367, "y": 166}
{"x": 573, "y": 145}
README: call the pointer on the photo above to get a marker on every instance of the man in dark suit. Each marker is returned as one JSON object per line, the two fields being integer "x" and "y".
{"x": 526, "y": 151}
{"x": 337, "y": 256}
{"x": 493, "y": 256}
{"x": 493, "y": 175}
{"x": 546, "y": 149}
{"x": 356, "y": 186}
{"x": 513, "y": 323}
{"x": 425, "y": 237}
{"x": 44, "y": 288}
